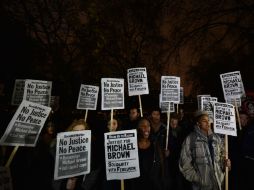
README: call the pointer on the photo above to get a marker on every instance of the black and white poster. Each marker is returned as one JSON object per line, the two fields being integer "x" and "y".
{"x": 18, "y": 92}
{"x": 38, "y": 91}
{"x": 88, "y": 96}
{"x": 232, "y": 85}
{"x": 224, "y": 119}
{"x": 73, "y": 154}
{"x": 170, "y": 89}
{"x": 112, "y": 93}
{"x": 137, "y": 81}
{"x": 26, "y": 124}
{"x": 121, "y": 152}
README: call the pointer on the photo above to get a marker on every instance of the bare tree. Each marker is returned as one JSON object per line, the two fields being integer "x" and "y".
{"x": 87, "y": 40}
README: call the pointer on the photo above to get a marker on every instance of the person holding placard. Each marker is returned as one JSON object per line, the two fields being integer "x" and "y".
{"x": 151, "y": 161}
{"x": 202, "y": 160}
{"x": 73, "y": 183}
{"x": 112, "y": 126}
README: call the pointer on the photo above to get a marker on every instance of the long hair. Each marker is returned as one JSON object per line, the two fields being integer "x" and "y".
{"x": 78, "y": 122}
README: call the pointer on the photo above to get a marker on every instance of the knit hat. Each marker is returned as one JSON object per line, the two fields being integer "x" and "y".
{"x": 200, "y": 113}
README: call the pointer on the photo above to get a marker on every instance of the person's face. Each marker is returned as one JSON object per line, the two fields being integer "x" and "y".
{"x": 243, "y": 119}
{"x": 144, "y": 129}
{"x": 156, "y": 117}
{"x": 173, "y": 123}
{"x": 251, "y": 108}
{"x": 133, "y": 115}
{"x": 114, "y": 125}
{"x": 203, "y": 123}
{"x": 79, "y": 127}
{"x": 50, "y": 130}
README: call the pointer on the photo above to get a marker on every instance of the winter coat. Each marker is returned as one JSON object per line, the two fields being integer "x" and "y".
{"x": 201, "y": 165}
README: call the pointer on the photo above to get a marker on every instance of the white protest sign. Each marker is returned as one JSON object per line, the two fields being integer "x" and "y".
{"x": 236, "y": 101}
{"x": 207, "y": 105}
{"x": 38, "y": 91}
{"x": 232, "y": 85}
{"x": 137, "y": 81}
{"x": 170, "y": 89}
{"x": 166, "y": 106}
{"x": 224, "y": 119}
{"x": 121, "y": 152}
{"x": 73, "y": 154}
{"x": 112, "y": 93}
{"x": 26, "y": 124}
{"x": 18, "y": 92}
{"x": 5, "y": 178}
{"x": 199, "y": 99}
{"x": 88, "y": 96}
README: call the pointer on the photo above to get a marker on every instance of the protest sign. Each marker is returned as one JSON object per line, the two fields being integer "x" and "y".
{"x": 112, "y": 93}
{"x": 199, "y": 99}
{"x": 137, "y": 81}
{"x": 170, "y": 89}
{"x": 232, "y": 85}
{"x": 166, "y": 106}
{"x": 236, "y": 101}
{"x": 121, "y": 154}
{"x": 73, "y": 154}
{"x": 224, "y": 119}
{"x": 207, "y": 105}
{"x": 26, "y": 124}
{"x": 18, "y": 92}
{"x": 38, "y": 91}
{"x": 88, "y": 96}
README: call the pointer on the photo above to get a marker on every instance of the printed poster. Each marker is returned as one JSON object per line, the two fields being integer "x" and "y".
{"x": 73, "y": 154}
{"x": 18, "y": 92}
{"x": 112, "y": 93}
{"x": 137, "y": 81}
{"x": 207, "y": 105}
{"x": 232, "y": 85}
{"x": 224, "y": 119}
{"x": 121, "y": 152}
{"x": 170, "y": 89}
{"x": 38, "y": 91}
{"x": 26, "y": 125}
{"x": 88, "y": 96}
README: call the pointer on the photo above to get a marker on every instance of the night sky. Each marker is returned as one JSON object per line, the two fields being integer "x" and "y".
{"x": 196, "y": 42}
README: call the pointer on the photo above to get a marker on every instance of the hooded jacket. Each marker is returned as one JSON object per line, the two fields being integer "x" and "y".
{"x": 200, "y": 164}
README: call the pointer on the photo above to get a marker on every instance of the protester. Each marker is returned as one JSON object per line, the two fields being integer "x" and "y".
{"x": 134, "y": 116}
{"x": 42, "y": 161}
{"x": 202, "y": 160}
{"x": 151, "y": 161}
{"x": 185, "y": 122}
{"x": 73, "y": 183}
{"x": 176, "y": 138}
{"x": 243, "y": 152}
{"x": 112, "y": 126}
{"x": 158, "y": 129}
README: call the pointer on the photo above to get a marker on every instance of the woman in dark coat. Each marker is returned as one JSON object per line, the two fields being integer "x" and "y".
{"x": 151, "y": 161}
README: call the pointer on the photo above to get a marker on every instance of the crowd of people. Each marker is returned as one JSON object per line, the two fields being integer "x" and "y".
{"x": 193, "y": 158}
